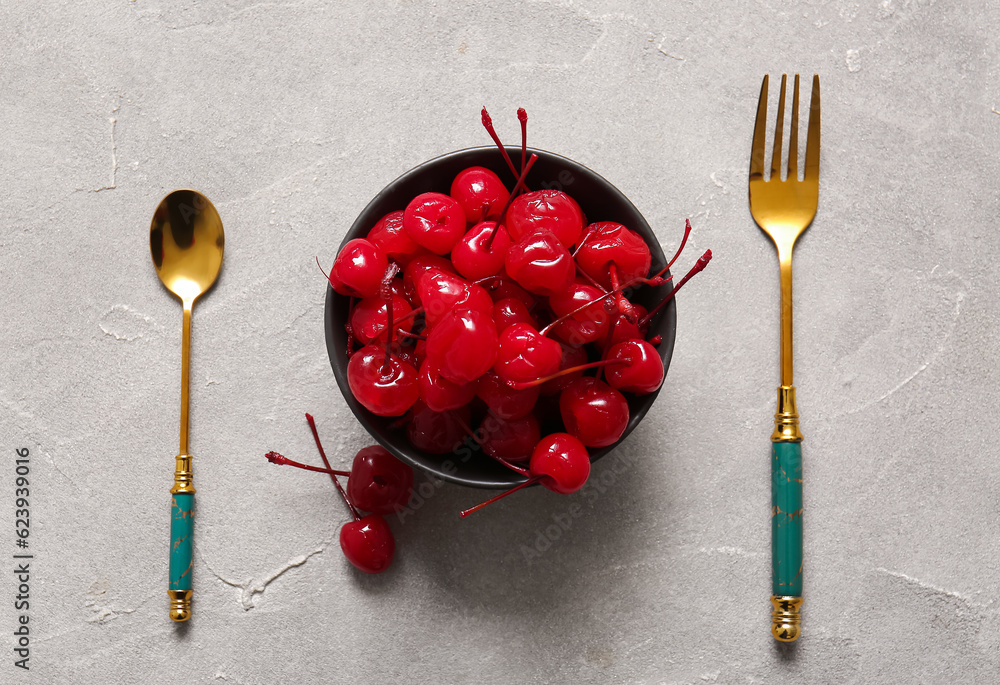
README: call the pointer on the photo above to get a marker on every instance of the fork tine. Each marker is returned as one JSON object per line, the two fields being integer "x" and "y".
{"x": 793, "y": 136}
{"x": 812, "y": 137}
{"x": 778, "y": 134}
{"x": 759, "y": 131}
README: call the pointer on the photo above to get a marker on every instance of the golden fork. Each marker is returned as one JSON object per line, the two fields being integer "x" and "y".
{"x": 784, "y": 209}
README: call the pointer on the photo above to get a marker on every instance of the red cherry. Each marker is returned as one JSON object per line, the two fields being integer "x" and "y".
{"x": 441, "y": 394}
{"x": 437, "y": 432}
{"x": 379, "y": 482}
{"x": 626, "y": 330}
{"x": 540, "y": 263}
{"x": 480, "y": 253}
{"x": 510, "y": 311}
{"x": 441, "y": 293}
{"x": 368, "y": 543}
{"x": 548, "y": 210}
{"x": 480, "y": 192}
{"x": 594, "y": 412}
{"x": 572, "y": 356}
{"x": 503, "y": 287}
{"x": 524, "y": 355}
{"x": 512, "y": 439}
{"x": 434, "y": 221}
{"x": 643, "y": 372}
{"x": 607, "y": 242}
{"x": 585, "y": 324}
{"x": 463, "y": 346}
{"x": 503, "y": 400}
{"x": 369, "y": 318}
{"x": 416, "y": 268}
{"x": 388, "y": 235}
{"x": 561, "y": 462}
{"x": 385, "y": 387}
{"x": 358, "y": 269}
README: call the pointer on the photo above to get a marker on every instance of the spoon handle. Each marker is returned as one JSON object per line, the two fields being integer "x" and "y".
{"x": 181, "y": 540}
{"x": 182, "y": 503}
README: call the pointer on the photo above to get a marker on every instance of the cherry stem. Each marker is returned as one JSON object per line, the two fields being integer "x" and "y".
{"x": 488, "y": 125}
{"x": 687, "y": 232}
{"x": 387, "y": 366}
{"x": 625, "y": 307}
{"x": 590, "y": 279}
{"x": 510, "y": 199}
{"x": 282, "y": 460}
{"x": 333, "y": 477}
{"x": 699, "y": 265}
{"x": 413, "y": 313}
{"x": 385, "y": 289}
{"x": 605, "y": 296}
{"x": 522, "y": 116}
{"x": 583, "y": 240}
{"x": 407, "y": 334}
{"x": 530, "y": 481}
{"x": 524, "y": 385}
{"x": 659, "y": 274}
{"x": 320, "y": 267}
{"x": 513, "y": 467}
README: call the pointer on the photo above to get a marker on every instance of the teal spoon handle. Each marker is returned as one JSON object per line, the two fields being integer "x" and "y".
{"x": 181, "y": 541}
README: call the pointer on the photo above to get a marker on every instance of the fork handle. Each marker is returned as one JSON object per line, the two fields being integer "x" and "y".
{"x": 786, "y": 519}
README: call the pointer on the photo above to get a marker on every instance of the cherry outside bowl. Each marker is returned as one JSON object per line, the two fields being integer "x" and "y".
{"x": 599, "y": 200}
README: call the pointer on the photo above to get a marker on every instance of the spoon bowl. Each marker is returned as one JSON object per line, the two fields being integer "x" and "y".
{"x": 186, "y": 241}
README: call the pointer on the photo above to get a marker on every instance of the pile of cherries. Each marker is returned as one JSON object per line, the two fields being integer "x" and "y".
{"x": 487, "y": 306}
{"x": 377, "y": 483}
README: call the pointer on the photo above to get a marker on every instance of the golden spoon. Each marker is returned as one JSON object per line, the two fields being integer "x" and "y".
{"x": 186, "y": 241}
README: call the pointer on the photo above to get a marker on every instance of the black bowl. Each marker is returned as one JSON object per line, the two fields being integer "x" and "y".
{"x": 599, "y": 200}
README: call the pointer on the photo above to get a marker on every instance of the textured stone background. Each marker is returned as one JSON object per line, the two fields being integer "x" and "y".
{"x": 290, "y": 116}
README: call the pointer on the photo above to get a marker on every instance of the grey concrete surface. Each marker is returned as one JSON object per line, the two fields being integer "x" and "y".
{"x": 290, "y": 116}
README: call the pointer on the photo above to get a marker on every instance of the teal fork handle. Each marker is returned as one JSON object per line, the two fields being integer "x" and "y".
{"x": 181, "y": 558}
{"x": 786, "y": 539}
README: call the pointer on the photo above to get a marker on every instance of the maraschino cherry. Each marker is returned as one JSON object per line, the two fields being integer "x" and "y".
{"x": 441, "y": 394}
{"x": 540, "y": 263}
{"x": 388, "y": 235}
{"x": 434, "y": 221}
{"x": 382, "y": 382}
{"x": 379, "y": 482}
{"x": 548, "y": 210}
{"x": 463, "y": 346}
{"x": 523, "y": 354}
{"x": 503, "y": 400}
{"x": 482, "y": 251}
{"x": 441, "y": 293}
{"x": 367, "y": 541}
{"x": 480, "y": 192}
{"x": 358, "y": 269}
{"x": 437, "y": 432}
{"x": 559, "y": 462}
{"x": 642, "y": 372}
{"x": 593, "y": 412}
